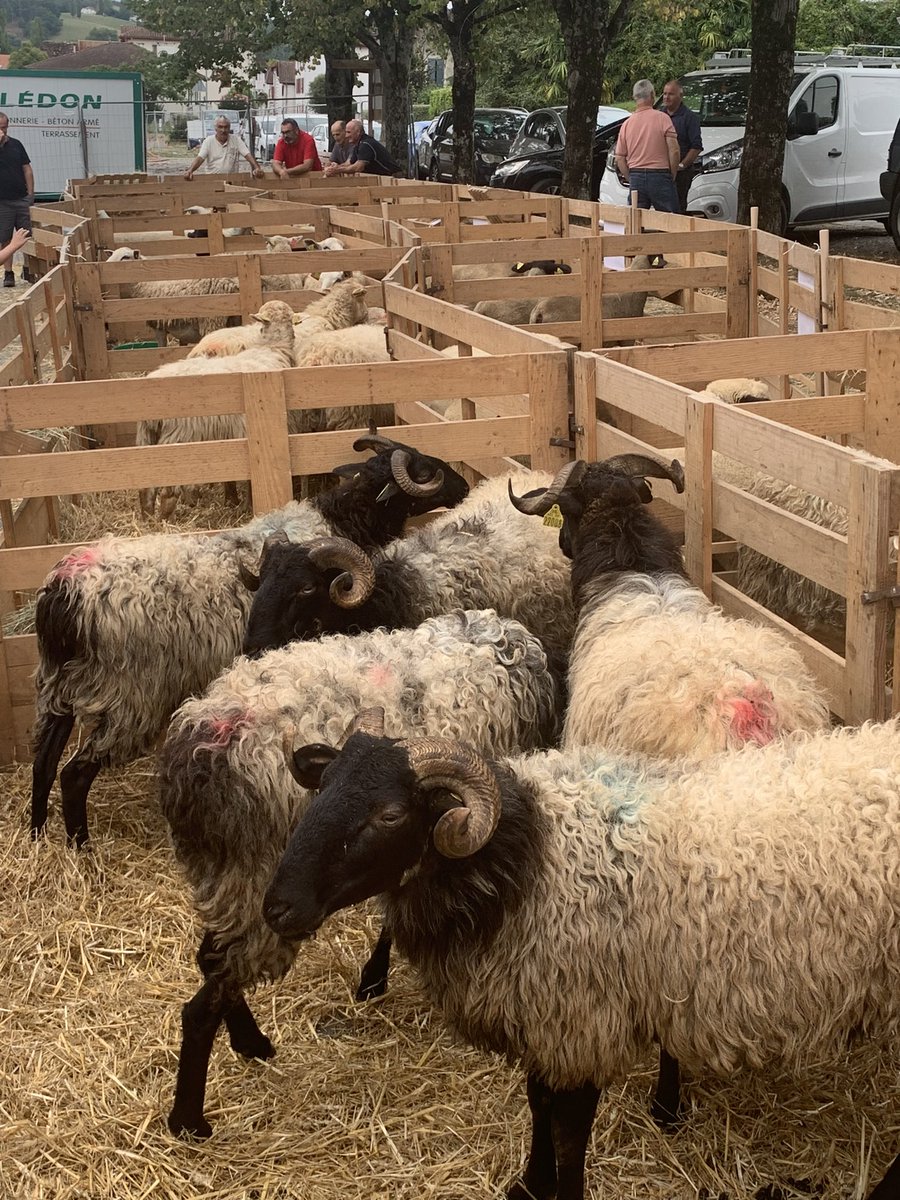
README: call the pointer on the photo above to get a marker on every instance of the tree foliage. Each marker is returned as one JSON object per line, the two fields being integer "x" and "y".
{"x": 25, "y": 55}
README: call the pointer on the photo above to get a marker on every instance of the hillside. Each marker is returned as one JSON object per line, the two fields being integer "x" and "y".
{"x": 75, "y": 28}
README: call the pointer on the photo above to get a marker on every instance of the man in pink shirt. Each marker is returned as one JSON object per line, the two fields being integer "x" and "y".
{"x": 647, "y": 152}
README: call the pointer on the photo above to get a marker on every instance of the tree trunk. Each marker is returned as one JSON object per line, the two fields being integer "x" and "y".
{"x": 339, "y": 86}
{"x": 464, "y": 78}
{"x": 393, "y": 53}
{"x": 774, "y": 24}
{"x": 587, "y": 29}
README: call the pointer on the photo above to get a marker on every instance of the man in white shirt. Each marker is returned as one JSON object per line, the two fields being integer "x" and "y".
{"x": 222, "y": 152}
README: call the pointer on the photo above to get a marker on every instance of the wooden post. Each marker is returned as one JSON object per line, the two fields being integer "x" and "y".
{"x": 267, "y": 439}
{"x": 737, "y": 284}
{"x": 585, "y": 406}
{"x": 591, "y": 253}
{"x": 215, "y": 236}
{"x": 753, "y": 281}
{"x": 88, "y": 316}
{"x": 450, "y": 219}
{"x": 784, "y": 305}
{"x": 50, "y": 302}
{"x": 250, "y": 285}
{"x": 30, "y": 362}
{"x": 698, "y": 524}
{"x": 7, "y": 730}
{"x": 881, "y": 429}
{"x": 549, "y": 405}
{"x": 557, "y": 216}
{"x": 833, "y": 293}
{"x": 868, "y": 569}
{"x": 441, "y": 259}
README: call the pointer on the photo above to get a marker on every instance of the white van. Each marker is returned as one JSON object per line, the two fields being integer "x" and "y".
{"x": 841, "y": 117}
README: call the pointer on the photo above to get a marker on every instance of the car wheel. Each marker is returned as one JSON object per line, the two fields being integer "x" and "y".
{"x": 547, "y": 187}
{"x": 894, "y": 219}
{"x": 434, "y": 171}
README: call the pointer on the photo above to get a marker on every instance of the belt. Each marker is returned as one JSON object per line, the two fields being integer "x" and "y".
{"x": 651, "y": 170}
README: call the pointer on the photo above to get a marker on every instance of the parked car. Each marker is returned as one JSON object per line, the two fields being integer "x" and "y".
{"x": 841, "y": 117}
{"x": 321, "y": 136}
{"x": 536, "y": 156}
{"x": 495, "y": 129}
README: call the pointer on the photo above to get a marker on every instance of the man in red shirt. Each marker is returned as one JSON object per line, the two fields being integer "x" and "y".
{"x": 295, "y": 151}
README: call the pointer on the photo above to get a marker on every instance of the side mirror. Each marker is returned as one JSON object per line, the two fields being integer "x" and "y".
{"x": 802, "y": 125}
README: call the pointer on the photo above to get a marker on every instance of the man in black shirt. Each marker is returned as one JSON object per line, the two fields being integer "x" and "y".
{"x": 366, "y": 155}
{"x": 690, "y": 139}
{"x": 16, "y": 192}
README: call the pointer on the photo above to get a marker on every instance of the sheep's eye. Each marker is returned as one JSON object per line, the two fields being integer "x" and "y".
{"x": 308, "y": 589}
{"x": 392, "y": 816}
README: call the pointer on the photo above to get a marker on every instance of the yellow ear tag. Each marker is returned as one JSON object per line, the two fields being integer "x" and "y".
{"x": 519, "y": 266}
{"x": 554, "y": 517}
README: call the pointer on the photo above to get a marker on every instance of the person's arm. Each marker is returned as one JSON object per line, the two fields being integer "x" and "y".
{"x": 28, "y": 172}
{"x": 351, "y": 168}
{"x": 696, "y": 143}
{"x": 674, "y": 151}
{"x": 244, "y": 151}
{"x": 301, "y": 168}
{"x": 622, "y": 156}
{"x": 16, "y": 242}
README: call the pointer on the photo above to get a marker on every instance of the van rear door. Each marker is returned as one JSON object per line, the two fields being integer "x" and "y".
{"x": 814, "y": 162}
{"x": 874, "y": 105}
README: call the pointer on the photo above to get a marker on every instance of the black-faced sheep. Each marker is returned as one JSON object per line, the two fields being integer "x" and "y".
{"x": 655, "y": 666}
{"x": 481, "y": 555}
{"x": 565, "y": 909}
{"x": 615, "y": 305}
{"x": 128, "y": 627}
{"x": 227, "y": 794}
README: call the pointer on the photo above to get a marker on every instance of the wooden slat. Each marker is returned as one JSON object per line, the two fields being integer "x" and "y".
{"x": 825, "y": 665}
{"x": 698, "y": 435}
{"x": 270, "y": 474}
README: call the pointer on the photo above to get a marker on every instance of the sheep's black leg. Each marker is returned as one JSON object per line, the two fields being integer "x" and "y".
{"x": 75, "y": 781}
{"x": 539, "y": 1180}
{"x": 51, "y": 740}
{"x": 373, "y": 980}
{"x": 200, "y": 1021}
{"x": 667, "y": 1100}
{"x": 889, "y": 1188}
{"x": 572, "y": 1115}
{"x": 244, "y": 1034}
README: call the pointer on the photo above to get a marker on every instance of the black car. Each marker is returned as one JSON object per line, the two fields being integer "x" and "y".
{"x": 495, "y": 129}
{"x": 536, "y": 161}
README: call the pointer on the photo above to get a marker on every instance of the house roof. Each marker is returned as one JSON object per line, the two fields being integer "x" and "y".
{"x": 106, "y": 54}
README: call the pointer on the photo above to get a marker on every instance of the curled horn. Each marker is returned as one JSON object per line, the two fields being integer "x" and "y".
{"x": 357, "y": 578}
{"x": 638, "y": 464}
{"x": 537, "y": 506}
{"x": 443, "y": 763}
{"x": 367, "y": 720}
{"x": 248, "y": 579}
{"x": 375, "y": 441}
{"x": 400, "y": 461}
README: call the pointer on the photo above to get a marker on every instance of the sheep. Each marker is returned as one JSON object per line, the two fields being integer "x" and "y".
{"x": 537, "y": 266}
{"x": 341, "y": 307}
{"x": 655, "y": 667}
{"x": 272, "y": 350}
{"x": 576, "y": 904}
{"x": 226, "y": 793}
{"x": 615, "y": 305}
{"x": 130, "y": 626}
{"x": 188, "y": 330}
{"x": 481, "y": 555}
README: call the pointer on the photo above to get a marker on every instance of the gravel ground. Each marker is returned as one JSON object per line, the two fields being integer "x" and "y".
{"x": 856, "y": 239}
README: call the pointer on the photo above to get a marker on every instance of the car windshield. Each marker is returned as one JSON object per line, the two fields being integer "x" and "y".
{"x": 721, "y": 97}
{"x": 498, "y": 125}
{"x": 605, "y": 115}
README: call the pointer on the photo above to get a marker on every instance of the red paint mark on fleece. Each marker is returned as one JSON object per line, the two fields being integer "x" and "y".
{"x": 753, "y": 715}
{"x": 220, "y": 731}
{"x": 74, "y": 564}
{"x": 380, "y": 675}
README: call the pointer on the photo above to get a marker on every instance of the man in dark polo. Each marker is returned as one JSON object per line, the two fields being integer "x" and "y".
{"x": 690, "y": 140}
{"x": 367, "y": 155}
{"x": 16, "y": 192}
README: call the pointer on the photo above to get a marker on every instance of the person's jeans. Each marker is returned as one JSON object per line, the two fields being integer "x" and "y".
{"x": 655, "y": 189}
{"x": 683, "y": 181}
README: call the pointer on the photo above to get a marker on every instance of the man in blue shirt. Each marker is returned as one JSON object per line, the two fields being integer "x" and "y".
{"x": 690, "y": 142}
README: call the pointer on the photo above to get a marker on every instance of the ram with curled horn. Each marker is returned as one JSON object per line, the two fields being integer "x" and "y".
{"x": 482, "y": 554}
{"x": 736, "y": 684}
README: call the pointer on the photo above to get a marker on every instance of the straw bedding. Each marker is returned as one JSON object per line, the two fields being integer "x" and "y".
{"x": 372, "y": 1101}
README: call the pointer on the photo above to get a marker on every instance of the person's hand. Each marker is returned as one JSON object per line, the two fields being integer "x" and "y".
{"x": 258, "y": 172}
{"x": 19, "y": 238}
{"x": 189, "y": 174}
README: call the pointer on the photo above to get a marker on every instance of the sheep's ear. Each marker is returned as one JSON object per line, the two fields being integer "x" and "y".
{"x": 262, "y": 318}
{"x": 357, "y": 290}
{"x": 307, "y": 763}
